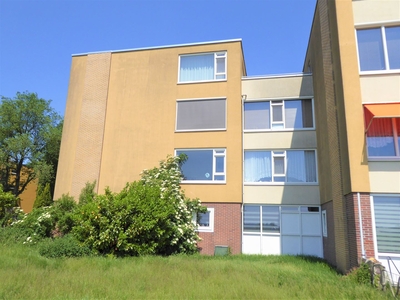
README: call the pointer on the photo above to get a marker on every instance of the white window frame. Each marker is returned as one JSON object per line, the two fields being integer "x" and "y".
{"x": 271, "y": 101}
{"x": 217, "y": 55}
{"x": 217, "y": 152}
{"x": 324, "y": 224}
{"x": 377, "y": 253}
{"x": 209, "y": 228}
{"x": 285, "y": 170}
{"x": 382, "y": 26}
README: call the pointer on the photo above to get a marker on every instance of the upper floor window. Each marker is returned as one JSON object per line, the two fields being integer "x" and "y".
{"x": 278, "y": 115}
{"x": 202, "y": 67}
{"x": 201, "y": 115}
{"x": 295, "y": 166}
{"x": 204, "y": 165}
{"x": 382, "y": 130}
{"x": 379, "y": 48}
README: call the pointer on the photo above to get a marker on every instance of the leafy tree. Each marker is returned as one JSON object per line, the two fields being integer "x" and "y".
{"x": 8, "y": 210}
{"x": 30, "y": 131}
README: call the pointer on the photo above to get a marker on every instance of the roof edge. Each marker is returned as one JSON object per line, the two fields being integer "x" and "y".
{"x": 161, "y": 47}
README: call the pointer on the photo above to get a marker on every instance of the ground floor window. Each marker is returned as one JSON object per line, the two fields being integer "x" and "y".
{"x": 387, "y": 223}
{"x": 205, "y": 221}
{"x": 286, "y": 229}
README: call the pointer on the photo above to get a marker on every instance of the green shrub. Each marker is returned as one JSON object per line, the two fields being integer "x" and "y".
{"x": 43, "y": 197}
{"x": 361, "y": 275}
{"x": 151, "y": 216}
{"x": 66, "y": 246}
{"x": 87, "y": 193}
{"x": 62, "y": 212}
{"x": 9, "y": 210}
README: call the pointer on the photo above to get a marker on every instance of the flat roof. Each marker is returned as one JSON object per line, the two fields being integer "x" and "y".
{"x": 162, "y": 47}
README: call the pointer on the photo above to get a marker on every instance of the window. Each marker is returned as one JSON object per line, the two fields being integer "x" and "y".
{"x": 204, "y": 165}
{"x": 294, "y": 166}
{"x": 324, "y": 224}
{"x": 379, "y": 48}
{"x": 205, "y": 221}
{"x": 387, "y": 223}
{"x": 264, "y": 219}
{"x": 202, "y": 67}
{"x": 278, "y": 115}
{"x": 196, "y": 115}
{"x": 382, "y": 131}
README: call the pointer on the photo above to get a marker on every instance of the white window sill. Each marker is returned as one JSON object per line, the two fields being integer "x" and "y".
{"x": 203, "y": 81}
{"x": 202, "y": 182}
{"x": 281, "y": 183}
{"x": 279, "y": 130}
{"x": 379, "y": 72}
{"x": 200, "y": 130}
{"x": 384, "y": 158}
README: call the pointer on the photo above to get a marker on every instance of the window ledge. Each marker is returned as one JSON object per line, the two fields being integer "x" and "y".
{"x": 200, "y": 130}
{"x": 281, "y": 183}
{"x": 379, "y": 72}
{"x": 203, "y": 81}
{"x": 202, "y": 182}
{"x": 384, "y": 158}
{"x": 280, "y": 130}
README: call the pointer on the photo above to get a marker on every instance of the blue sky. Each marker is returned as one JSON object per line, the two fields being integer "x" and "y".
{"x": 37, "y": 38}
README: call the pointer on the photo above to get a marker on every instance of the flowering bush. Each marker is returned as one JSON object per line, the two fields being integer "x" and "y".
{"x": 151, "y": 216}
{"x": 9, "y": 210}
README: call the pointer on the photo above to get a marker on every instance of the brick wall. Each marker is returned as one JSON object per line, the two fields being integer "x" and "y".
{"x": 354, "y": 236}
{"x": 329, "y": 240}
{"x": 227, "y": 229}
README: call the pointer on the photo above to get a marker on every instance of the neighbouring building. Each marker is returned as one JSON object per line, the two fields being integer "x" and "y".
{"x": 304, "y": 163}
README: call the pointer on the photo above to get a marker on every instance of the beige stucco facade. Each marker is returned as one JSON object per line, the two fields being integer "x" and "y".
{"x": 287, "y": 87}
{"x": 114, "y": 132}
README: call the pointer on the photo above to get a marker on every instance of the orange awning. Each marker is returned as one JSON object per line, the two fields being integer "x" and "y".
{"x": 384, "y": 110}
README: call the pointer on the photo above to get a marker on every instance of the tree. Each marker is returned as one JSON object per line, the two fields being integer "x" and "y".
{"x": 28, "y": 129}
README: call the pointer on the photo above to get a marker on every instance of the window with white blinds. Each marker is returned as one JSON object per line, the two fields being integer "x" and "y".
{"x": 387, "y": 223}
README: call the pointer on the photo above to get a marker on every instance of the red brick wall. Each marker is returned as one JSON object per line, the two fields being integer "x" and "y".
{"x": 227, "y": 229}
{"x": 354, "y": 227}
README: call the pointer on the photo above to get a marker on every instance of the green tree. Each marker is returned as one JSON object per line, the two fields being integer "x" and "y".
{"x": 30, "y": 131}
{"x": 43, "y": 196}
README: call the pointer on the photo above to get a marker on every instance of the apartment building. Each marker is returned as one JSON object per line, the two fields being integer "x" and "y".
{"x": 291, "y": 164}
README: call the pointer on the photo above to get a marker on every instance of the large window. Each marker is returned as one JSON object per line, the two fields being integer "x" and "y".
{"x": 293, "y": 166}
{"x": 264, "y": 219}
{"x": 379, "y": 48}
{"x": 197, "y": 115}
{"x": 382, "y": 131}
{"x": 387, "y": 223}
{"x": 278, "y": 115}
{"x": 204, "y": 165}
{"x": 202, "y": 67}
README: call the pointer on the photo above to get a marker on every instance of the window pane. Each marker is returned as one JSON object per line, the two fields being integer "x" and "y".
{"x": 279, "y": 165}
{"x": 277, "y": 115}
{"x": 296, "y": 166}
{"x": 256, "y": 115}
{"x": 293, "y": 114}
{"x": 219, "y": 164}
{"x": 201, "y": 114}
{"x": 393, "y": 46}
{"x": 198, "y": 165}
{"x": 251, "y": 218}
{"x": 307, "y": 113}
{"x": 257, "y": 166}
{"x": 380, "y": 138}
{"x": 387, "y": 222}
{"x": 271, "y": 219}
{"x": 221, "y": 65}
{"x": 196, "y": 67}
{"x": 370, "y": 49}
{"x": 204, "y": 219}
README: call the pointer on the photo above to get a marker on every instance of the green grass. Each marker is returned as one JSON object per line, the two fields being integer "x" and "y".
{"x": 24, "y": 274}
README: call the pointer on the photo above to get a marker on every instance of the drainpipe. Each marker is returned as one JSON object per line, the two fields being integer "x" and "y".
{"x": 361, "y": 226}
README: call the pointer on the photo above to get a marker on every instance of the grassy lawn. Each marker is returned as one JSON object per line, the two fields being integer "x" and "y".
{"x": 24, "y": 274}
